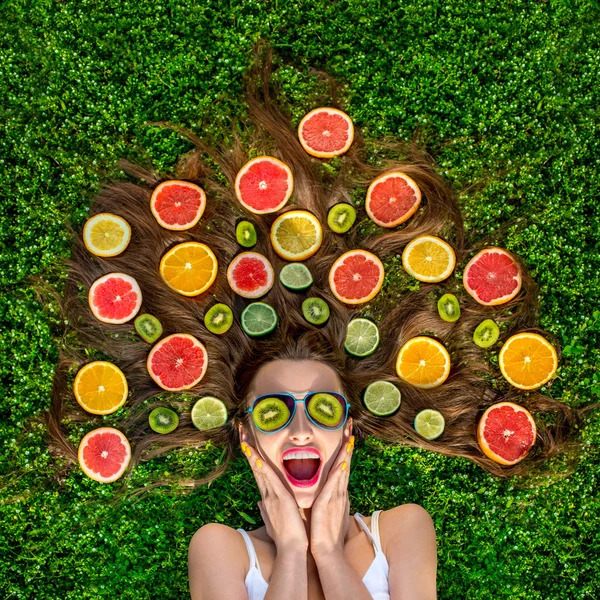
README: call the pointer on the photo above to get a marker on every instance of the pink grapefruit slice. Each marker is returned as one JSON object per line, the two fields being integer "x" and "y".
{"x": 250, "y": 274}
{"x": 178, "y": 362}
{"x": 115, "y": 298}
{"x": 264, "y": 185}
{"x": 356, "y": 277}
{"x": 326, "y": 132}
{"x": 392, "y": 198}
{"x": 506, "y": 433}
{"x": 492, "y": 277}
{"x": 104, "y": 454}
{"x": 177, "y": 205}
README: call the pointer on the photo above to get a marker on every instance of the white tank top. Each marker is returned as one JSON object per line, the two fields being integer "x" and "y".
{"x": 375, "y": 579}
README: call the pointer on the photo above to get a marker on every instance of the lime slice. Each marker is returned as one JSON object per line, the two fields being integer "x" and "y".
{"x": 258, "y": 318}
{"x": 209, "y": 412}
{"x": 295, "y": 276}
{"x": 430, "y": 423}
{"x": 362, "y": 337}
{"x": 382, "y": 398}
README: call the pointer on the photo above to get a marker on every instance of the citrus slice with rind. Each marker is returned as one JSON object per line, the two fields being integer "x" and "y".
{"x": 527, "y": 360}
{"x": 382, "y": 398}
{"x": 100, "y": 388}
{"x": 429, "y": 259}
{"x": 177, "y": 205}
{"x": 106, "y": 234}
{"x": 250, "y": 274}
{"x": 430, "y": 423}
{"x": 362, "y": 337}
{"x": 296, "y": 276}
{"x": 326, "y": 132}
{"x": 423, "y": 362}
{"x": 356, "y": 276}
{"x": 189, "y": 268}
{"x": 392, "y": 198}
{"x": 258, "y": 318}
{"x": 296, "y": 235}
{"x": 209, "y": 412}
{"x": 104, "y": 454}
{"x": 115, "y": 298}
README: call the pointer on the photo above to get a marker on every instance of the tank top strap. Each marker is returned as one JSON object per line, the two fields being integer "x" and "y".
{"x": 251, "y": 550}
{"x": 374, "y": 526}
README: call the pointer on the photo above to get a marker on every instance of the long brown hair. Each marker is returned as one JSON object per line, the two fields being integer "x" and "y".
{"x": 234, "y": 358}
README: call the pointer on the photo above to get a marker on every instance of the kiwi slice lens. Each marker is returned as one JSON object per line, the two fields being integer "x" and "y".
{"x": 209, "y": 412}
{"x": 362, "y": 337}
{"x": 218, "y": 319}
{"x": 486, "y": 334}
{"x": 296, "y": 276}
{"x": 148, "y": 327}
{"x": 382, "y": 398}
{"x": 315, "y": 310}
{"x": 163, "y": 420}
{"x": 270, "y": 413}
{"x": 325, "y": 409}
{"x": 449, "y": 308}
{"x": 258, "y": 318}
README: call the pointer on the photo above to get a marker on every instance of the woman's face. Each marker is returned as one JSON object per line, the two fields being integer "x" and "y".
{"x": 297, "y": 377}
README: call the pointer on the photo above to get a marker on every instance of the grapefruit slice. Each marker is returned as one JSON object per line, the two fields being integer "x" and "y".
{"x": 296, "y": 235}
{"x": 104, "y": 454}
{"x": 392, "y": 198}
{"x": 428, "y": 258}
{"x": 326, "y": 132}
{"x": 423, "y": 362}
{"x": 250, "y": 274}
{"x": 189, "y": 268}
{"x": 177, "y": 205}
{"x": 492, "y": 276}
{"x": 178, "y": 362}
{"x": 106, "y": 234}
{"x": 264, "y": 185}
{"x": 356, "y": 277}
{"x": 115, "y": 298}
{"x": 100, "y": 388}
{"x": 506, "y": 433}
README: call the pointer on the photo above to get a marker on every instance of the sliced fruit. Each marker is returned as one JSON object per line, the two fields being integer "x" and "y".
{"x": 295, "y": 276}
{"x": 258, "y": 318}
{"x": 315, "y": 310}
{"x": 250, "y": 274}
{"x": 218, "y": 318}
{"x": 264, "y": 185}
{"x": 423, "y": 362}
{"x": 100, "y": 388}
{"x": 506, "y": 433}
{"x": 296, "y": 235}
{"x": 392, "y": 198}
{"x": 382, "y": 398}
{"x": 362, "y": 337}
{"x": 189, "y": 268}
{"x": 178, "y": 362}
{"x": 209, "y": 412}
{"x": 326, "y": 132}
{"x": 429, "y": 259}
{"x": 245, "y": 234}
{"x": 104, "y": 454}
{"x": 106, "y": 234}
{"x": 163, "y": 420}
{"x": 115, "y": 298}
{"x": 177, "y": 205}
{"x": 492, "y": 277}
{"x": 148, "y": 327}
{"x": 486, "y": 334}
{"x": 527, "y": 360}
{"x": 449, "y": 308}
{"x": 341, "y": 217}
{"x": 430, "y": 424}
{"x": 356, "y": 276}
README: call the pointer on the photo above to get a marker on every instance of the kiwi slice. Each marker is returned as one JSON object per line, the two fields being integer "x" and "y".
{"x": 148, "y": 327}
{"x": 341, "y": 217}
{"x": 325, "y": 409}
{"x": 315, "y": 310}
{"x": 163, "y": 420}
{"x": 218, "y": 319}
{"x": 245, "y": 234}
{"x": 449, "y": 308}
{"x": 270, "y": 414}
{"x": 486, "y": 334}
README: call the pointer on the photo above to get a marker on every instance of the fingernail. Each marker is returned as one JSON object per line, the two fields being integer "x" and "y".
{"x": 352, "y": 440}
{"x": 344, "y": 465}
{"x": 244, "y": 446}
{"x": 248, "y": 452}
{"x": 348, "y": 447}
{"x": 259, "y": 463}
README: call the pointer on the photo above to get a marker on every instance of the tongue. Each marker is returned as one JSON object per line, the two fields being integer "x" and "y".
{"x": 302, "y": 468}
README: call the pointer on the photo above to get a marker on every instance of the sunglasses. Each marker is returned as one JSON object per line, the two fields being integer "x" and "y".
{"x": 286, "y": 402}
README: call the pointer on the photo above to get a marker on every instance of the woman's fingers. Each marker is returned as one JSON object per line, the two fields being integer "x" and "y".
{"x": 345, "y": 475}
{"x": 253, "y": 457}
{"x": 269, "y": 478}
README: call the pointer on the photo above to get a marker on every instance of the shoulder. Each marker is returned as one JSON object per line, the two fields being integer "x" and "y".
{"x": 216, "y": 538}
{"x": 404, "y": 521}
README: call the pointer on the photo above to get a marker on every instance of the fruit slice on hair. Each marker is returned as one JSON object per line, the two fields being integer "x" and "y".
{"x": 392, "y": 198}
{"x": 430, "y": 423}
{"x": 264, "y": 185}
{"x": 506, "y": 433}
{"x": 356, "y": 276}
{"x": 115, "y": 298}
{"x": 362, "y": 337}
{"x": 250, "y": 274}
{"x": 382, "y": 398}
{"x": 341, "y": 217}
{"x": 189, "y": 268}
{"x": 296, "y": 235}
{"x": 423, "y": 362}
{"x": 163, "y": 420}
{"x": 100, "y": 388}
{"x": 527, "y": 360}
{"x": 218, "y": 318}
{"x": 209, "y": 412}
{"x": 245, "y": 234}
{"x": 178, "y": 362}
{"x": 104, "y": 454}
{"x": 326, "y": 132}
{"x": 258, "y": 318}
{"x": 177, "y": 205}
{"x": 486, "y": 333}
{"x": 148, "y": 327}
{"x": 106, "y": 234}
{"x": 449, "y": 308}
{"x": 295, "y": 276}
{"x": 429, "y": 259}
{"x": 492, "y": 276}
{"x": 315, "y": 310}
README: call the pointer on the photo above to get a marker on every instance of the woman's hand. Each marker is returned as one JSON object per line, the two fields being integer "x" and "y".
{"x": 278, "y": 507}
{"x": 330, "y": 516}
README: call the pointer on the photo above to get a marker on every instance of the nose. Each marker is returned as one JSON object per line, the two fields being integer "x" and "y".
{"x": 301, "y": 427}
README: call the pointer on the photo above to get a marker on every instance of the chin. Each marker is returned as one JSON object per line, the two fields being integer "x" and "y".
{"x": 305, "y": 502}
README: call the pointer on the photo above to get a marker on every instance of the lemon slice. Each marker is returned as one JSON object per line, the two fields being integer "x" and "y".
{"x": 429, "y": 259}
{"x": 209, "y": 412}
{"x": 296, "y": 235}
{"x": 106, "y": 234}
{"x": 430, "y": 423}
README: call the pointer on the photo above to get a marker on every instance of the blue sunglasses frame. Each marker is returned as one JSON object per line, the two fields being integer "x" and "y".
{"x": 296, "y": 401}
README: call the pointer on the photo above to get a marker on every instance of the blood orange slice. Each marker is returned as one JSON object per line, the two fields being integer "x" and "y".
{"x": 104, "y": 454}
{"x": 177, "y": 205}
{"x": 506, "y": 432}
{"x": 264, "y": 184}
{"x": 115, "y": 298}
{"x": 250, "y": 274}
{"x": 178, "y": 362}
{"x": 392, "y": 198}
{"x": 356, "y": 276}
{"x": 492, "y": 276}
{"x": 326, "y": 132}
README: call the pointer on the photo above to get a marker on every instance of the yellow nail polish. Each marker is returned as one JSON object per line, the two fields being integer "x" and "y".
{"x": 259, "y": 463}
{"x": 248, "y": 452}
{"x": 344, "y": 465}
{"x": 352, "y": 440}
{"x": 244, "y": 446}
{"x": 348, "y": 447}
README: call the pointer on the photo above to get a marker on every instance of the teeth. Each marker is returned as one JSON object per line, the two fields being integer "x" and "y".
{"x": 297, "y": 455}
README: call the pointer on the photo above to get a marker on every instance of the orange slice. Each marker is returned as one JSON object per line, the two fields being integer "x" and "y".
{"x": 429, "y": 258}
{"x": 106, "y": 234}
{"x": 296, "y": 235}
{"x": 527, "y": 360}
{"x": 189, "y": 268}
{"x": 423, "y": 362}
{"x": 100, "y": 388}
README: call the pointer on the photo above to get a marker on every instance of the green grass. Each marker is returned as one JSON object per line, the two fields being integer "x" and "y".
{"x": 506, "y": 95}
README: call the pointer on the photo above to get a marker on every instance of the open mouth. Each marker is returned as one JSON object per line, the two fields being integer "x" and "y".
{"x": 302, "y": 472}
